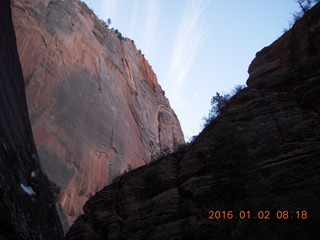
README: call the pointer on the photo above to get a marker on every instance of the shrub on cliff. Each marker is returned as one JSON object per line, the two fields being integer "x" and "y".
{"x": 107, "y": 23}
{"x": 218, "y": 102}
{"x": 304, "y": 5}
{"x": 119, "y": 35}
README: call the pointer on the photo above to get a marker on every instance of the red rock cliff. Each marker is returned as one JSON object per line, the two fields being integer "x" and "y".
{"x": 95, "y": 106}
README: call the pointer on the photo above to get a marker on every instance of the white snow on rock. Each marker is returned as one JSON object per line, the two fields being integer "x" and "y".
{"x": 28, "y": 190}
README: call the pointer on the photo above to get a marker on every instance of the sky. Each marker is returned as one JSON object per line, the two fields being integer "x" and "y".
{"x": 197, "y": 47}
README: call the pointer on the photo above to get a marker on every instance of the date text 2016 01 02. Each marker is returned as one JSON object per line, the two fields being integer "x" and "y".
{"x": 263, "y": 215}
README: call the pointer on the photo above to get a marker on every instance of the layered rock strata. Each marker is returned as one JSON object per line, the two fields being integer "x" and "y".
{"x": 95, "y": 105}
{"x": 260, "y": 156}
{"x": 27, "y": 207}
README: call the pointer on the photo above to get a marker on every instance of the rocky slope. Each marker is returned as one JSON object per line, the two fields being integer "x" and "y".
{"x": 95, "y": 106}
{"x": 27, "y": 207}
{"x": 260, "y": 155}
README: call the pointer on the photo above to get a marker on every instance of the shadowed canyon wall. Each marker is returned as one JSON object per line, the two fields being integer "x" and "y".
{"x": 95, "y": 106}
{"x": 261, "y": 154}
{"x": 27, "y": 207}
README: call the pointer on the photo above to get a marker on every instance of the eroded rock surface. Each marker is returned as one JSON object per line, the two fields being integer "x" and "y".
{"x": 95, "y": 106}
{"x": 27, "y": 207}
{"x": 260, "y": 155}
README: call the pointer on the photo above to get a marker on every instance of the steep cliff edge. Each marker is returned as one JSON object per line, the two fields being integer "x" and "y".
{"x": 27, "y": 207}
{"x": 95, "y": 106}
{"x": 258, "y": 159}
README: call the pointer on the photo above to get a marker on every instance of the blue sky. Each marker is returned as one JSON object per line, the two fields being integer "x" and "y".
{"x": 197, "y": 47}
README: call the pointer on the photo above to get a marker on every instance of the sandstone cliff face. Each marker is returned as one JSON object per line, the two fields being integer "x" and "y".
{"x": 261, "y": 154}
{"x": 27, "y": 208}
{"x": 95, "y": 106}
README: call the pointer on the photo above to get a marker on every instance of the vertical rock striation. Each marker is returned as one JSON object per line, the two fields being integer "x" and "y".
{"x": 95, "y": 106}
{"x": 261, "y": 155}
{"x": 27, "y": 206}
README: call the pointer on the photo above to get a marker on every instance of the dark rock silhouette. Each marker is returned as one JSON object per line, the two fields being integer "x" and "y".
{"x": 262, "y": 155}
{"x": 27, "y": 207}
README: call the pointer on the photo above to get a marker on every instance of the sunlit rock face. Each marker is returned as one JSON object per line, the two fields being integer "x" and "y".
{"x": 27, "y": 207}
{"x": 95, "y": 105}
{"x": 261, "y": 156}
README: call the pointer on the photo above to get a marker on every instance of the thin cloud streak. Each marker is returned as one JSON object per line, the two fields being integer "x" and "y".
{"x": 109, "y": 7}
{"x": 152, "y": 19}
{"x": 190, "y": 36}
{"x": 134, "y": 18}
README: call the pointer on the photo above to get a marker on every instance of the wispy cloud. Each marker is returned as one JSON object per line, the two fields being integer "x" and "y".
{"x": 109, "y": 7}
{"x": 190, "y": 36}
{"x": 134, "y": 18}
{"x": 152, "y": 19}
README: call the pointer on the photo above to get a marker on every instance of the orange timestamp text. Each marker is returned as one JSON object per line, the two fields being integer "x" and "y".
{"x": 262, "y": 215}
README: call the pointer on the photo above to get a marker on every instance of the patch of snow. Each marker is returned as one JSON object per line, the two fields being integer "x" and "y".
{"x": 33, "y": 174}
{"x": 28, "y": 190}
